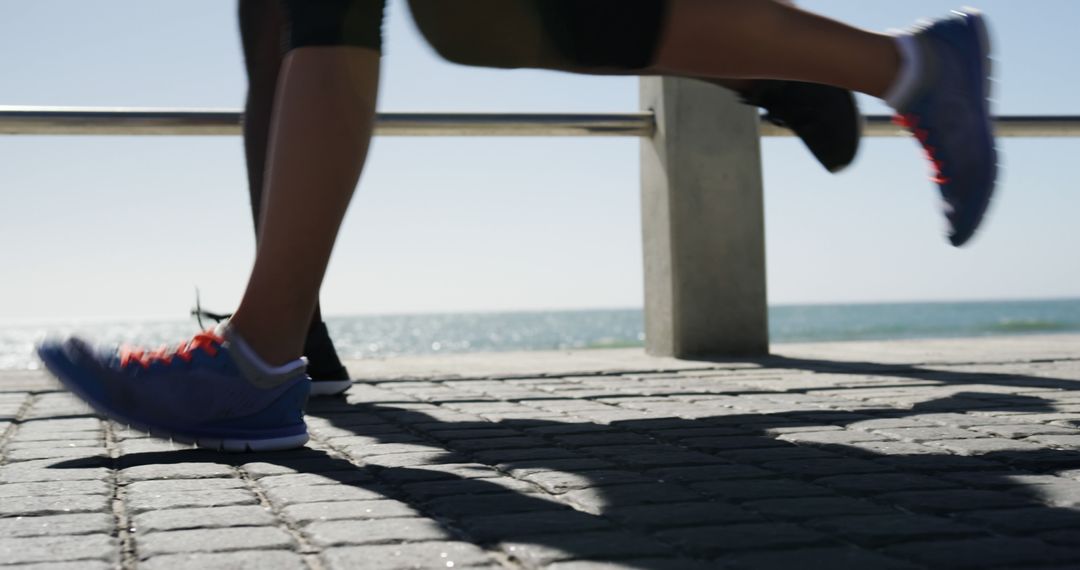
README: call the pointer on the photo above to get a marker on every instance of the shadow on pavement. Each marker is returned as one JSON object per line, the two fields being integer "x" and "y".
{"x": 803, "y": 487}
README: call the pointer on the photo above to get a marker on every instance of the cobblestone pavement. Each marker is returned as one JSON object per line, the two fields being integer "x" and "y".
{"x": 792, "y": 461}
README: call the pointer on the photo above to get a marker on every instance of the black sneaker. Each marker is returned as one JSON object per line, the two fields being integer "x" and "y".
{"x": 328, "y": 375}
{"x": 825, "y": 118}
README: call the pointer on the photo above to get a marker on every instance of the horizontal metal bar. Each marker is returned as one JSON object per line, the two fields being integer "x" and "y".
{"x": 23, "y": 120}
{"x": 135, "y": 121}
{"x": 1020, "y": 126}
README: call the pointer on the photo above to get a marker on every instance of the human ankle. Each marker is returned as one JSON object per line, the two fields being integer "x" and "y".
{"x": 267, "y": 348}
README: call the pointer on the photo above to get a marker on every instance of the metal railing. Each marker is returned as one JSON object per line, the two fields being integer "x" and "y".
{"x": 703, "y": 225}
{"x": 25, "y": 120}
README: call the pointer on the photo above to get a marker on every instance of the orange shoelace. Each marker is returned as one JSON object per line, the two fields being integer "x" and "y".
{"x": 911, "y": 123}
{"x": 206, "y": 341}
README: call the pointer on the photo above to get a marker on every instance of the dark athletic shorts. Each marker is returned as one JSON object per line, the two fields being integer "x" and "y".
{"x": 549, "y": 34}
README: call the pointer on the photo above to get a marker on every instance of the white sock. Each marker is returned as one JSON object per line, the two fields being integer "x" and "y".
{"x": 911, "y": 72}
{"x": 239, "y": 344}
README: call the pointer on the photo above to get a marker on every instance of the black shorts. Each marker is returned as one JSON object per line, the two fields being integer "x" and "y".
{"x": 550, "y": 34}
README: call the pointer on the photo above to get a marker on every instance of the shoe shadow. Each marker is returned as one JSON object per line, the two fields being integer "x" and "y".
{"x": 830, "y": 487}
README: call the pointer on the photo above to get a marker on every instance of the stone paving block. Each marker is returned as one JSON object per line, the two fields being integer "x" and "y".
{"x": 512, "y": 455}
{"x": 1041, "y": 458}
{"x": 746, "y": 490}
{"x": 668, "y": 459}
{"x": 54, "y": 488}
{"x": 1025, "y": 430}
{"x": 709, "y": 473}
{"x": 95, "y": 442}
{"x": 345, "y": 510}
{"x": 712, "y": 540}
{"x": 519, "y": 526}
{"x": 347, "y": 477}
{"x": 983, "y": 553}
{"x": 77, "y": 565}
{"x": 60, "y": 425}
{"x": 22, "y": 436}
{"x": 1069, "y": 538}
{"x": 317, "y": 493}
{"x": 56, "y": 525}
{"x": 494, "y": 504}
{"x": 825, "y": 467}
{"x": 787, "y": 453}
{"x": 1025, "y": 520}
{"x": 456, "y": 434}
{"x": 557, "y": 482}
{"x": 1003, "y": 479}
{"x": 681, "y": 433}
{"x": 1062, "y": 493}
{"x": 175, "y": 471}
{"x": 813, "y": 507}
{"x": 875, "y": 483}
{"x": 375, "y": 450}
{"x": 416, "y": 459}
{"x": 985, "y": 445}
{"x": 54, "y": 505}
{"x": 433, "y": 489}
{"x": 799, "y": 428}
{"x": 887, "y": 423}
{"x": 140, "y": 503}
{"x": 57, "y": 549}
{"x": 212, "y": 517}
{"x": 179, "y": 485}
{"x": 331, "y": 533}
{"x": 938, "y": 463}
{"x": 241, "y": 560}
{"x": 918, "y": 435}
{"x": 612, "y": 544}
{"x": 875, "y": 449}
{"x": 953, "y": 500}
{"x": 837, "y": 437}
{"x": 485, "y": 444}
{"x": 1064, "y": 441}
{"x": 54, "y": 452}
{"x": 675, "y": 515}
{"x": 367, "y": 440}
{"x": 599, "y": 499}
{"x": 260, "y": 469}
{"x": 893, "y": 528}
{"x": 817, "y": 559}
{"x": 212, "y": 540}
{"x": 604, "y": 439}
{"x": 44, "y": 471}
{"x": 439, "y": 472}
{"x": 733, "y": 442}
{"x": 408, "y": 556}
{"x": 524, "y": 468}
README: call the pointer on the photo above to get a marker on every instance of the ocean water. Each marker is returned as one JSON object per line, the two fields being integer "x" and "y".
{"x": 400, "y": 335}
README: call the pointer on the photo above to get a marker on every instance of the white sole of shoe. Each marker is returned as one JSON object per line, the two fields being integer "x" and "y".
{"x": 329, "y": 387}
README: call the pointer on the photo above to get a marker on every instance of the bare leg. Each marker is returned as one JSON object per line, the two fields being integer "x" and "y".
{"x": 322, "y": 125}
{"x": 262, "y": 28}
{"x": 756, "y": 39}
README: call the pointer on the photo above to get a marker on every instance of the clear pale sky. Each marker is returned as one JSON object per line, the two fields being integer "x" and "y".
{"x": 128, "y": 226}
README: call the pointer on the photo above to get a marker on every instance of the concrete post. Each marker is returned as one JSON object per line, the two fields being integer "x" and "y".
{"x": 703, "y": 222}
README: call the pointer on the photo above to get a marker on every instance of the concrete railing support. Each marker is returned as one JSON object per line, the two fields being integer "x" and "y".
{"x": 703, "y": 223}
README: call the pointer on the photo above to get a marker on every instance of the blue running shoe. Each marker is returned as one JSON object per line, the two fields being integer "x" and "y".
{"x": 207, "y": 391}
{"x": 949, "y": 113}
